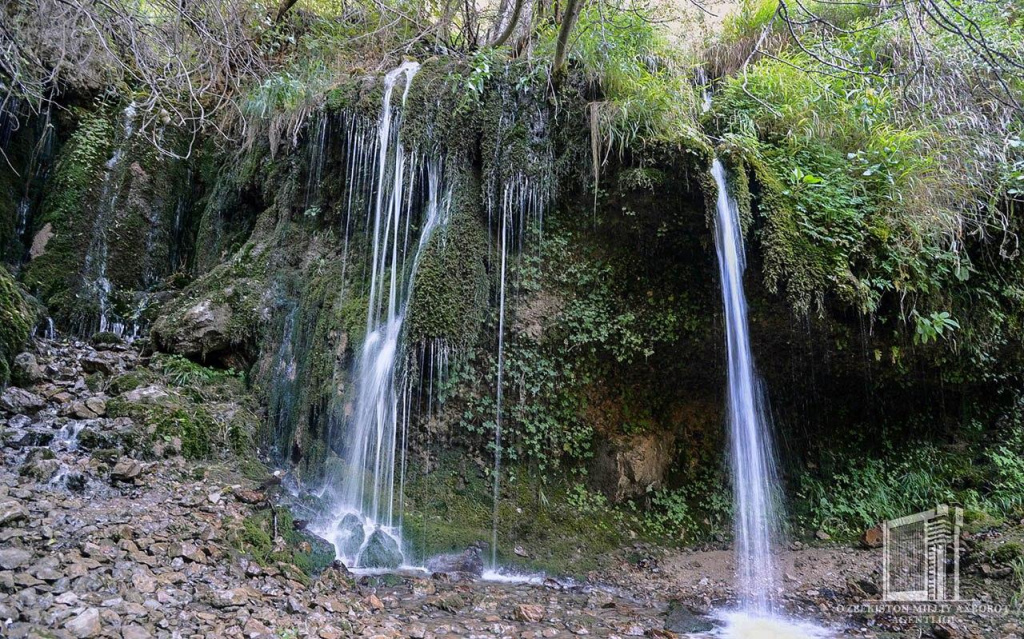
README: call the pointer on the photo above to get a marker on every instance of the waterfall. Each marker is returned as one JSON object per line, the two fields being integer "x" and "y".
{"x": 24, "y": 205}
{"x": 367, "y": 500}
{"x": 95, "y": 267}
{"x": 522, "y": 207}
{"x": 755, "y": 483}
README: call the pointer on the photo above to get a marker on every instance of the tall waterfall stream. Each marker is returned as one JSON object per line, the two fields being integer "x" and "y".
{"x": 754, "y": 476}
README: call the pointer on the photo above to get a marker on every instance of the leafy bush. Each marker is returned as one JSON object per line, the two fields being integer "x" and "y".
{"x": 848, "y": 495}
{"x": 647, "y": 97}
{"x": 875, "y": 194}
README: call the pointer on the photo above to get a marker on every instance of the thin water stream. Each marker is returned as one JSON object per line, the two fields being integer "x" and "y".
{"x": 756, "y": 503}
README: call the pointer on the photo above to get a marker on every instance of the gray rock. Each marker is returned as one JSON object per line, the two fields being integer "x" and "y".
{"x": 97, "y": 405}
{"x": 228, "y": 598}
{"x": 349, "y": 535}
{"x": 126, "y": 470}
{"x": 148, "y": 395}
{"x": 11, "y": 558}
{"x": 143, "y": 580}
{"x": 26, "y": 370}
{"x": 79, "y": 410}
{"x": 682, "y": 620}
{"x": 11, "y": 511}
{"x": 42, "y": 470}
{"x": 197, "y": 331}
{"x": 31, "y": 439}
{"x": 468, "y": 562}
{"x": 85, "y": 624}
{"x": 17, "y": 400}
{"x": 135, "y": 632}
{"x": 381, "y": 551}
{"x": 105, "y": 363}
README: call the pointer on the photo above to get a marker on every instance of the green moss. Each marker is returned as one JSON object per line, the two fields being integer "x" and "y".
{"x": 70, "y": 209}
{"x": 254, "y": 537}
{"x": 450, "y": 291}
{"x": 16, "y": 319}
{"x": 121, "y": 212}
{"x": 1008, "y": 552}
{"x": 451, "y": 509}
{"x": 203, "y": 434}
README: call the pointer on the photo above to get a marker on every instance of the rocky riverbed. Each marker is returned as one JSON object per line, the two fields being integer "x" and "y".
{"x": 107, "y": 530}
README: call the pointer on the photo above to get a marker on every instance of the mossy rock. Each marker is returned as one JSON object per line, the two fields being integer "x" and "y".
{"x": 106, "y": 338}
{"x": 17, "y": 317}
{"x": 104, "y": 218}
{"x": 308, "y": 553}
{"x": 381, "y": 551}
{"x": 130, "y": 381}
{"x": 1008, "y": 552}
{"x": 450, "y": 291}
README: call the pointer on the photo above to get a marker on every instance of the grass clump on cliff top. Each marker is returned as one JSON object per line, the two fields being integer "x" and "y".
{"x": 879, "y": 193}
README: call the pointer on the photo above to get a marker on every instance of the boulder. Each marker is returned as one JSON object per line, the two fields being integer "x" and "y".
{"x": 42, "y": 470}
{"x": 195, "y": 332}
{"x": 100, "y": 362}
{"x": 40, "y": 240}
{"x": 683, "y": 620}
{"x": 529, "y": 613}
{"x": 79, "y": 410}
{"x": 92, "y": 437}
{"x": 18, "y": 401}
{"x": 97, "y": 405}
{"x": 349, "y": 535}
{"x": 11, "y": 511}
{"x": 34, "y": 437}
{"x": 148, "y": 395}
{"x": 630, "y": 466}
{"x": 469, "y": 562}
{"x": 381, "y": 551}
{"x": 85, "y": 624}
{"x": 13, "y": 558}
{"x": 126, "y": 470}
{"x": 227, "y": 598}
{"x": 26, "y": 370}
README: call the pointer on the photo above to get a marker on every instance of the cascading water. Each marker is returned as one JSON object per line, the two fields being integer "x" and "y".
{"x": 753, "y": 466}
{"x": 366, "y": 527}
{"x": 95, "y": 267}
{"x": 522, "y": 206}
{"x": 754, "y": 477}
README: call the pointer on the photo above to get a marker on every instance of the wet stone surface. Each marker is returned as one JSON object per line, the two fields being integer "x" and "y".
{"x": 100, "y": 540}
{"x": 97, "y": 540}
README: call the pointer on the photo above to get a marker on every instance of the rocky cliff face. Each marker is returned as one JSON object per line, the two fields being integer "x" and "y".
{"x": 613, "y": 370}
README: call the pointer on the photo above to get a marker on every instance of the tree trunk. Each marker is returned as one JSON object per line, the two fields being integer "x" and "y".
{"x": 283, "y": 8}
{"x": 572, "y": 12}
{"x": 513, "y": 21}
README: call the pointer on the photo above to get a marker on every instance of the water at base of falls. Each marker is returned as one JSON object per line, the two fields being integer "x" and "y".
{"x": 741, "y": 625}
